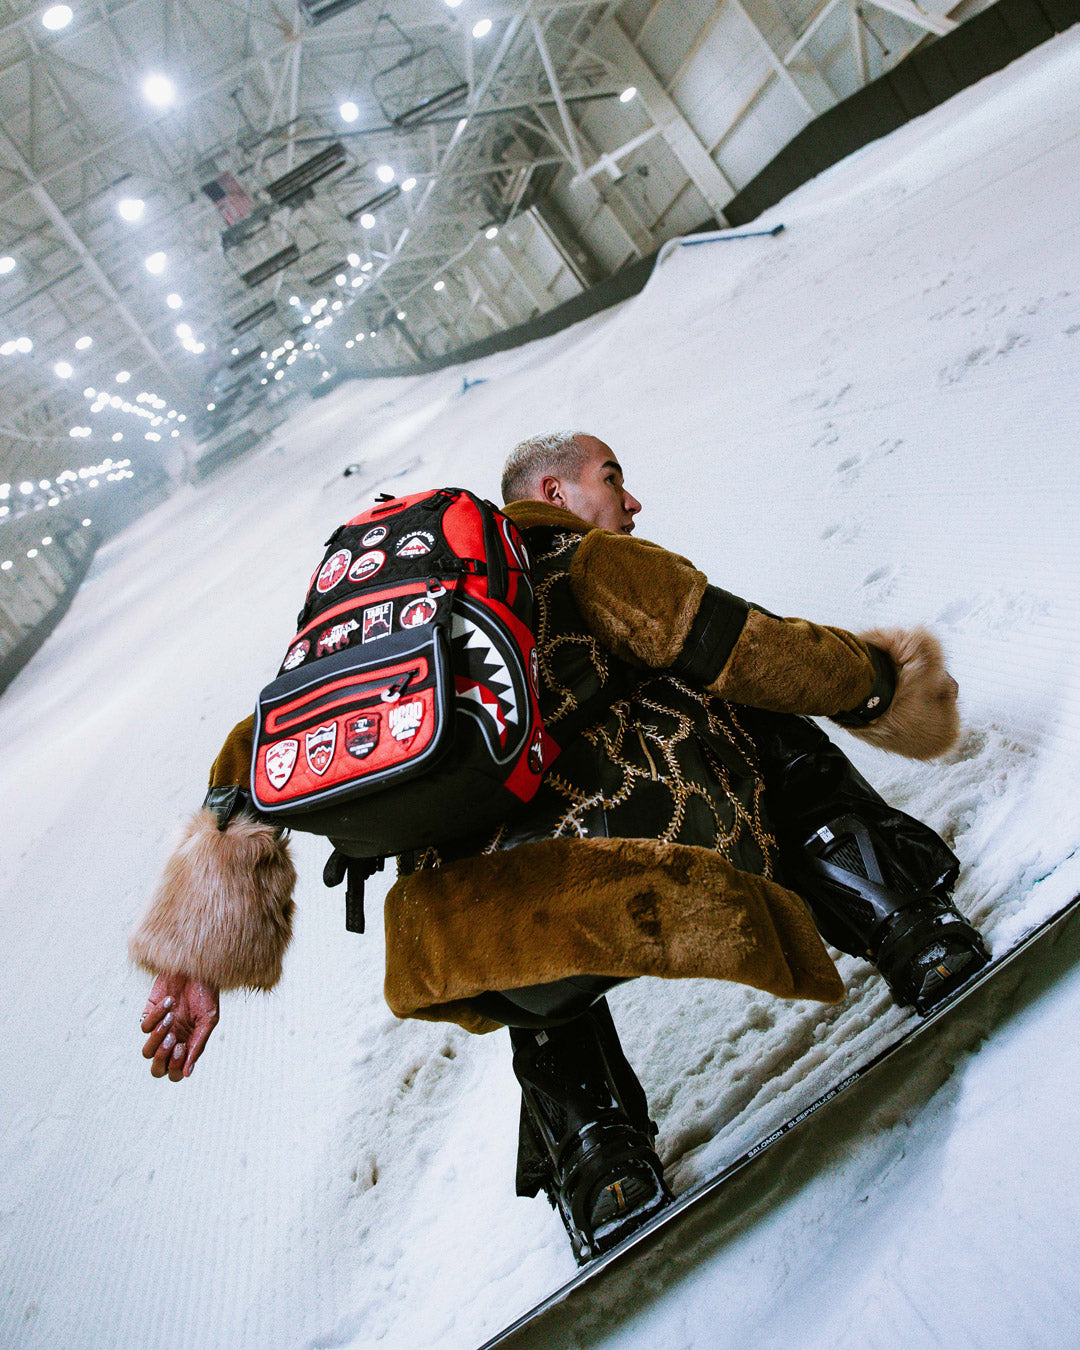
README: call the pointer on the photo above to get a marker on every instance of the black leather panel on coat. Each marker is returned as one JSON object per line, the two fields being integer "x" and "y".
{"x": 717, "y": 627}
{"x": 880, "y": 695}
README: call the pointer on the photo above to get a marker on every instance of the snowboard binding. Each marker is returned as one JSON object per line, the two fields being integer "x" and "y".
{"x": 600, "y": 1170}
{"x": 865, "y": 904}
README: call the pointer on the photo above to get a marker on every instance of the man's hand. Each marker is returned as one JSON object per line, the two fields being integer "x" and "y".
{"x": 180, "y": 1015}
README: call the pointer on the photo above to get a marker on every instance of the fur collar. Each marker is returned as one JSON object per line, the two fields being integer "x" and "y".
{"x": 526, "y": 514}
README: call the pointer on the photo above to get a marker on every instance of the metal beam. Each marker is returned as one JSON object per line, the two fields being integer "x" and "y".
{"x": 675, "y": 129}
{"x": 904, "y": 9}
{"x": 858, "y": 44}
{"x": 64, "y": 226}
{"x": 525, "y": 270}
{"x": 560, "y": 102}
{"x": 778, "y": 38}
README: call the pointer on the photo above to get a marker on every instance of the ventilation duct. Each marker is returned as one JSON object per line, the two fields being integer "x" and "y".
{"x": 430, "y": 107}
{"x": 297, "y": 186}
{"x": 256, "y": 317}
{"x": 381, "y": 199}
{"x": 319, "y": 11}
{"x": 276, "y": 262}
{"x": 244, "y": 359}
{"x": 327, "y": 273}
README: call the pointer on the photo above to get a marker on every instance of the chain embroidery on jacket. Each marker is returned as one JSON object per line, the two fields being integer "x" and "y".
{"x": 654, "y": 713}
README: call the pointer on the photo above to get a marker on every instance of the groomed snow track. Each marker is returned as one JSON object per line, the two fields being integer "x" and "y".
{"x": 868, "y": 419}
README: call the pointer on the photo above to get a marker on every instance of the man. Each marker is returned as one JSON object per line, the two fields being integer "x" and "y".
{"x": 688, "y": 785}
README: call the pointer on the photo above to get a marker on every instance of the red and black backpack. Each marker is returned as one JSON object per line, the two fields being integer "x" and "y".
{"x": 406, "y": 712}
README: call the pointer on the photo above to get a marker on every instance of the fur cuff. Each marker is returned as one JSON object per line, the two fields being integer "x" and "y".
{"x": 222, "y": 911}
{"x": 922, "y": 720}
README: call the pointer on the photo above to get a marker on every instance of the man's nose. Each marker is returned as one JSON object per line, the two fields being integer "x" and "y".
{"x": 631, "y": 505}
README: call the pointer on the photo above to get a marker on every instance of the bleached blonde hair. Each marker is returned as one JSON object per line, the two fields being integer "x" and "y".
{"x": 556, "y": 452}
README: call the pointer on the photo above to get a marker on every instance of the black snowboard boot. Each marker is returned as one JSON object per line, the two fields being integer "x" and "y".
{"x": 865, "y": 905}
{"x": 594, "y": 1142}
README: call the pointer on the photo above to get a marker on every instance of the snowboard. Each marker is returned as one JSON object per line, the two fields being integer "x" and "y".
{"x": 667, "y": 1219}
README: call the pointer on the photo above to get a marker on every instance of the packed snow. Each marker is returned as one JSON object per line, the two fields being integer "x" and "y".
{"x": 867, "y": 420}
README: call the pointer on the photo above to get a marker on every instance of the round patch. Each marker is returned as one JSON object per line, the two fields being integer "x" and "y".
{"x": 296, "y": 654}
{"x": 415, "y": 544}
{"x": 367, "y": 565}
{"x": 418, "y": 612}
{"x": 375, "y": 536}
{"x": 333, "y": 569}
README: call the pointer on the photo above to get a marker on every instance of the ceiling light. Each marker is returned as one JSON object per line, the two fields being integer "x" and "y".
{"x": 23, "y": 345}
{"x": 7, "y": 264}
{"x": 627, "y": 94}
{"x": 408, "y": 184}
{"x": 64, "y": 370}
{"x": 26, "y": 489}
{"x": 155, "y": 264}
{"x": 130, "y": 209}
{"x": 491, "y": 232}
{"x": 152, "y": 436}
{"x": 348, "y": 112}
{"x": 31, "y": 553}
{"x": 279, "y": 374}
{"x": 439, "y": 286}
{"x": 340, "y": 279}
{"x": 6, "y": 565}
{"x": 367, "y": 220}
{"x": 360, "y": 337}
{"x": 400, "y": 314}
{"x": 159, "y": 90}
{"x": 47, "y": 540}
{"x": 7, "y": 348}
{"x": 122, "y": 376}
{"x": 453, "y": 4}
{"x": 183, "y": 332}
{"x": 366, "y": 267}
{"x": 384, "y": 173}
{"x": 56, "y": 17}
{"x": 174, "y": 301}
{"x": 89, "y": 392}
{"x": 354, "y": 259}
{"x": 358, "y": 281}
{"x": 481, "y": 29}
{"x": 118, "y": 435}
{"x": 82, "y": 345}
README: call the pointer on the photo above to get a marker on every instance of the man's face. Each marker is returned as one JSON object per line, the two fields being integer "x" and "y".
{"x": 598, "y": 495}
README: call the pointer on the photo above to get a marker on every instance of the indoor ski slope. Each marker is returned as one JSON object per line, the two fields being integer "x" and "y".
{"x": 870, "y": 419}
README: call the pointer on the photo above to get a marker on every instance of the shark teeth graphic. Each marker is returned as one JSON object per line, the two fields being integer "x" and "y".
{"x": 500, "y": 683}
{"x": 476, "y": 693}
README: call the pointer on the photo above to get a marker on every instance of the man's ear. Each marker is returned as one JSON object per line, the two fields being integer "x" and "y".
{"x": 551, "y": 491}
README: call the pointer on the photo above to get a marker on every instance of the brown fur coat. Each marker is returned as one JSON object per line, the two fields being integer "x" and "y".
{"x": 557, "y": 906}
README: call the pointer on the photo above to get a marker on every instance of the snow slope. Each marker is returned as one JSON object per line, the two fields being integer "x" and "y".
{"x": 870, "y": 419}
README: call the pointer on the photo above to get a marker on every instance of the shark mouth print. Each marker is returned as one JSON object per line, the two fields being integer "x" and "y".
{"x": 469, "y": 691}
{"x": 486, "y": 684}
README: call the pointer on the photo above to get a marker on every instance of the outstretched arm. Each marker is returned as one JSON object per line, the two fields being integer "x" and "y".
{"x": 180, "y": 1014}
{"x": 654, "y": 608}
